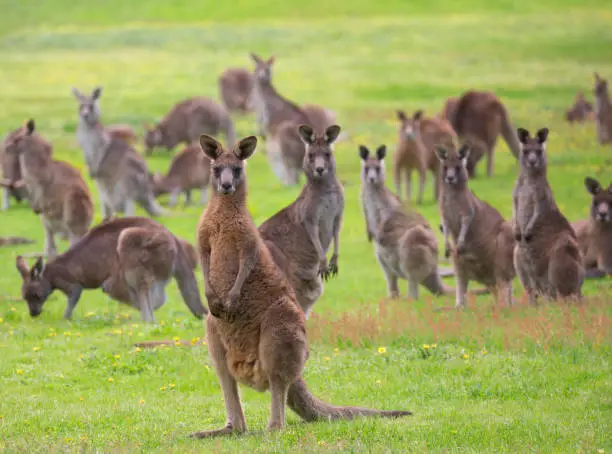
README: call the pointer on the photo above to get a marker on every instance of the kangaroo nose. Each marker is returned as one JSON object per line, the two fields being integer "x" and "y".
{"x": 226, "y": 186}
{"x": 319, "y": 170}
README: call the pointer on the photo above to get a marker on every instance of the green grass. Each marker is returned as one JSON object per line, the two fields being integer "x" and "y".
{"x": 497, "y": 380}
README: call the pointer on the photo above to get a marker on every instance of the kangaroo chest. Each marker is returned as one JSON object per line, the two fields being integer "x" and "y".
{"x": 326, "y": 212}
{"x": 525, "y": 203}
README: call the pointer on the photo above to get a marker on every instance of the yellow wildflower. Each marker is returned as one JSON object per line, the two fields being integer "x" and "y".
{"x": 19, "y": 372}
{"x": 326, "y": 358}
{"x": 117, "y": 356}
{"x": 466, "y": 356}
{"x": 172, "y": 385}
{"x": 111, "y": 379}
{"x": 163, "y": 388}
{"x": 36, "y": 349}
{"x": 426, "y": 346}
{"x": 382, "y": 350}
{"x": 176, "y": 338}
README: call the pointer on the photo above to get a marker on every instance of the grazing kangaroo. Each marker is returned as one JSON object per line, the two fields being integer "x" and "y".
{"x": 190, "y": 169}
{"x": 299, "y": 235}
{"x": 256, "y": 331}
{"x": 186, "y": 121}
{"x": 581, "y": 111}
{"x": 479, "y": 118}
{"x": 236, "y": 89}
{"x": 120, "y": 173}
{"x": 603, "y": 110}
{"x": 547, "y": 257}
{"x": 132, "y": 259}
{"x": 404, "y": 244}
{"x": 483, "y": 241}
{"x": 417, "y": 139}
{"x": 56, "y": 189}
{"x": 595, "y": 234}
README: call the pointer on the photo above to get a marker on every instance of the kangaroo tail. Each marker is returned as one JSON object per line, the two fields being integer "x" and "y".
{"x": 508, "y": 132}
{"x": 187, "y": 284}
{"x": 310, "y": 408}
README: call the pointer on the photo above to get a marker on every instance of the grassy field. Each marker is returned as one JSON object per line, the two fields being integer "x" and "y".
{"x": 489, "y": 379}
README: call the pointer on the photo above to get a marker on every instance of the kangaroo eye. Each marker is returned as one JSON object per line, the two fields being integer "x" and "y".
{"x": 217, "y": 172}
{"x": 328, "y": 154}
{"x": 237, "y": 171}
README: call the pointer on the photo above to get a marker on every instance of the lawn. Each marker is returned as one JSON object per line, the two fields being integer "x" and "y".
{"x": 488, "y": 379}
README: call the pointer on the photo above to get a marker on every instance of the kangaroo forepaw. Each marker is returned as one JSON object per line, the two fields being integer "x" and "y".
{"x": 528, "y": 235}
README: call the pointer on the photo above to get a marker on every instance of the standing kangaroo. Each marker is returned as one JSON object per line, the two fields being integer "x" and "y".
{"x": 404, "y": 244}
{"x": 595, "y": 234}
{"x": 479, "y": 118}
{"x": 299, "y": 235}
{"x": 236, "y": 89}
{"x": 186, "y": 121}
{"x": 581, "y": 111}
{"x": 56, "y": 189}
{"x": 120, "y": 173}
{"x": 256, "y": 332}
{"x": 132, "y": 259}
{"x": 418, "y": 137}
{"x": 190, "y": 169}
{"x": 483, "y": 241}
{"x": 547, "y": 256}
{"x": 603, "y": 110}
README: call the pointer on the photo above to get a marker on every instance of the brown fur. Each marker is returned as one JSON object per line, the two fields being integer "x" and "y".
{"x": 189, "y": 169}
{"x": 131, "y": 259}
{"x": 186, "y": 121}
{"x": 418, "y": 137}
{"x": 483, "y": 240}
{"x": 236, "y": 89}
{"x": 603, "y": 110}
{"x": 581, "y": 111}
{"x": 123, "y": 132}
{"x": 449, "y": 109}
{"x": 547, "y": 257}
{"x": 256, "y": 331}
{"x": 56, "y": 189}
{"x": 479, "y": 118}
{"x": 300, "y": 235}
{"x": 595, "y": 234}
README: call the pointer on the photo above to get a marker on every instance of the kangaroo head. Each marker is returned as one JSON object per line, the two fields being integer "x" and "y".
{"x": 20, "y": 139}
{"x": 454, "y": 164}
{"x": 36, "y": 288}
{"x": 409, "y": 127}
{"x": 263, "y": 68}
{"x": 373, "y": 166}
{"x": 601, "y": 85}
{"x": 601, "y": 208}
{"x": 89, "y": 108}
{"x": 319, "y": 158}
{"x": 533, "y": 149}
{"x": 153, "y": 137}
{"x": 228, "y": 166}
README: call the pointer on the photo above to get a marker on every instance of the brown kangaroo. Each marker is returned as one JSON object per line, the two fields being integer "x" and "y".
{"x": 189, "y": 169}
{"x": 56, "y": 189}
{"x": 131, "y": 259}
{"x": 255, "y": 331}
{"x": 236, "y": 89}
{"x": 186, "y": 121}
{"x": 581, "y": 111}
{"x": 299, "y": 235}
{"x": 483, "y": 241}
{"x": 478, "y": 118}
{"x": 595, "y": 234}
{"x": 603, "y": 110}
{"x": 417, "y": 139}
{"x": 547, "y": 256}
{"x": 123, "y": 132}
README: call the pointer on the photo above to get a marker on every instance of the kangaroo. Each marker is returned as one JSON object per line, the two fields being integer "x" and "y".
{"x": 415, "y": 151}
{"x": 236, "y": 90}
{"x": 479, "y": 118}
{"x": 123, "y": 132}
{"x": 56, "y": 189}
{"x": 547, "y": 256}
{"x": 595, "y": 234}
{"x": 581, "y": 111}
{"x": 256, "y": 331}
{"x": 449, "y": 109}
{"x": 603, "y": 110}
{"x": 131, "y": 259}
{"x": 119, "y": 172}
{"x": 300, "y": 235}
{"x": 186, "y": 121}
{"x": 404, "y": 244}
{"x": 483, "y": 241}
{"x": 12, "y": 240}
{"x": 190, "y": 169}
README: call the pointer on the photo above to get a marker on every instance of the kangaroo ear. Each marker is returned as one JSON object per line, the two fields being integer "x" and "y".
{"x": 256, "y": 58}
{"x": 307, "y": 134}
{"x": 381, "y": 152}
{"x": 542, "y": 135}
{"x": 592, "y": 185}
{"x": 37, "y": 269}
{"x": 246, "y": 148}
{"x": 464, "y": 152}
{"x": 417, "y": 115}
{"x": 364, "y": 153}
{"x": 77, "y": 94}
{"x": 271, "y": 60}
{"x": 210, "y": 146}
{"x": 96, "y": 93}
{"x": 441, "y": 153}
{"x": 597, "y": 78}
{"x": 30, "y": 127}
{"x": 523, "y": 135}
{"x": 331, "y": 134}
{"x": 401, "y": 115}
{"x": 22, "y": 267}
